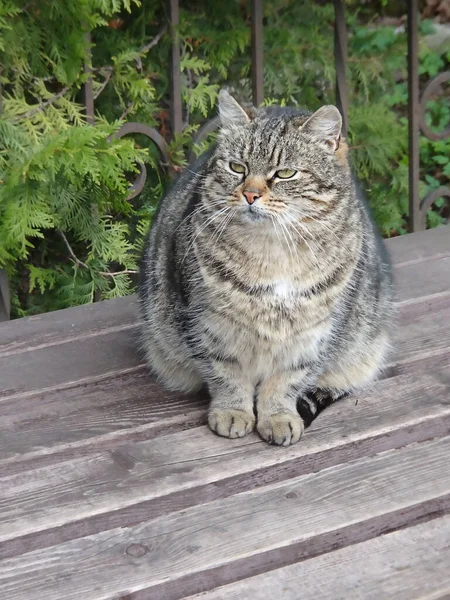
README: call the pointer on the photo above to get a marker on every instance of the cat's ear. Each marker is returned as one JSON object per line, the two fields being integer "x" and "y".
{"x": 326, "y": 125}
{"x": 231, "y": 113}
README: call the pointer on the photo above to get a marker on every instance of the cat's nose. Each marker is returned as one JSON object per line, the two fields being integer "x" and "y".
{"x": 251, "y": 195}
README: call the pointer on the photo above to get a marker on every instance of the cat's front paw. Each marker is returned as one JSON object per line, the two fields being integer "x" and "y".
{"x": 282, "y": 429}
{"x": 231, "y": 423}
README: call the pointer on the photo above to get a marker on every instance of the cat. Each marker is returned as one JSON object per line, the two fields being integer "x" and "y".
{"x": 264, "y": 277}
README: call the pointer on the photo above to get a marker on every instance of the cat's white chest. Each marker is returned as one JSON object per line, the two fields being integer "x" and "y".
{"x": 283, "y": 289}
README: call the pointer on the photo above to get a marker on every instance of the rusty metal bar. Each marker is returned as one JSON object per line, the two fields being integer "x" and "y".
{"x": 176, "y": 116}
{"x": 416, "y": 222}
{"x": 88, "y": 86}
{"x": 340, "y": 58}
{"x": 257, "y": 52}
{"x": 5, "y": 303}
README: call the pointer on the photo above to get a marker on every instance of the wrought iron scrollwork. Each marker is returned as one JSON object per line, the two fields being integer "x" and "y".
{"x": 159, "y": 142}
{"x": 417, "y": 122}
{"x": 430, "y": 90}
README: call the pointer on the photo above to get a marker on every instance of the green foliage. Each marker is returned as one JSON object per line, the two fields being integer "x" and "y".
{"x": 68, "y": 234}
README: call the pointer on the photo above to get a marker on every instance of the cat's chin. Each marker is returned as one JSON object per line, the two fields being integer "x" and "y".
{"x": 253, "y": 215}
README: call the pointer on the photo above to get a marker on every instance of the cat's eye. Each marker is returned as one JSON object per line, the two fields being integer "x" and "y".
{"x": 285, "y": 173}
{"x": 237, "y": 168}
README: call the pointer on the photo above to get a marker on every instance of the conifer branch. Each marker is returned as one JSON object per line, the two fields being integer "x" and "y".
{"x": 109, "y": 72}
{"x": 80, "y": 263}
{"x": 43, "y": 105}
{"x": 77, "y": 261}
{"x": 154, "y": 41}
{"x": 114, "y": 273}
{"x": 150, "y": 45}
{"x": 126, "y": 111}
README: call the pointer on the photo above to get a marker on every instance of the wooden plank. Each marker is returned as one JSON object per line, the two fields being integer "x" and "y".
{"x": 410, "y": 564}
{"x": 72, "y": 323}
{"x": 419, "y": 247}
{"x": 96, "y": 409}
{"x": 129, "y": 481}
{"x": 415, "y": 282}
{"x": 421, "y": 329}
{"x": 61, "y": 365}
{"x": 223, "y": 541}
{"x": 422, "y": 364}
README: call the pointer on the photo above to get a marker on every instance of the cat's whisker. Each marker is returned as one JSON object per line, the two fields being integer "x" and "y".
{"x": 208, "y": 221}
{"x": 304, "y": 239}
{"x": 321, "y": 223}
{"x": 216, "y": 235}
{"x": 198, "y": 210}
{"x": 274, "y": 223}
{"x": 291, "y": 244}
{"x": 197, "y": 175}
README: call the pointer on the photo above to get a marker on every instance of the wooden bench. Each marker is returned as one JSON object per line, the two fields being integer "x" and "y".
{"x": 111, "y": 487}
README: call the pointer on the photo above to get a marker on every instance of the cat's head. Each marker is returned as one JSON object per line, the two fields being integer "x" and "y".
{"x": 279, "y": 163}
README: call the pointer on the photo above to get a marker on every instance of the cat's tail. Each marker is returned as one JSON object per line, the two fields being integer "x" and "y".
{"x": 311, "y": 404}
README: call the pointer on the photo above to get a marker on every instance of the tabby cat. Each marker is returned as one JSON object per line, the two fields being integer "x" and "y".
{"x": 264, "y": 277}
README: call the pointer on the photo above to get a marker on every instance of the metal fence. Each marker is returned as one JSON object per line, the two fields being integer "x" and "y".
{"x": 416, "y": 106}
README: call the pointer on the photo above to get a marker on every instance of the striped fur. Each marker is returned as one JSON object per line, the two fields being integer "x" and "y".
{"x": 281, "y": 306}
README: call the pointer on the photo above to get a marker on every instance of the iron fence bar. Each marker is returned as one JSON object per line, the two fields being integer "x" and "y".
{"x": 416, "y": 221}
{"x": 89, "y": 85}
{"x": 340, "y": 58}
{"x": 176, "y": 116}
{"x": 257, "y": 52}
{"x": 5, "y": 303}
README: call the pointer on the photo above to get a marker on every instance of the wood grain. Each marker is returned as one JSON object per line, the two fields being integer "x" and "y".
{"x": 186, "y": 552}
{"x": 421, "y": 329}
{"x": 410, "y": 564}
{"x": 59, "y": 365}
{"x": 414, "y": 282}
{"x": 65, "y": 417}
{"x": 133, "y": 480}
{"x": 419, "y": 247}
{"x": 72, "y": 323}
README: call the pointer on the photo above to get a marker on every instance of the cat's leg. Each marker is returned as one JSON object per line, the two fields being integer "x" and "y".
{"x": 231, "y": 411}
{"x": 278, "y": 421}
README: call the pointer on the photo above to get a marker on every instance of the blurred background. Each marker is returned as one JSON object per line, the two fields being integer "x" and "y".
{"x": 71, "y": 74}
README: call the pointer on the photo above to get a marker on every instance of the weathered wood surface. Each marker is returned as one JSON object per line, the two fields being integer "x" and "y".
{"x": 111, "y": 487}
{"x": 411, "y": 563}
